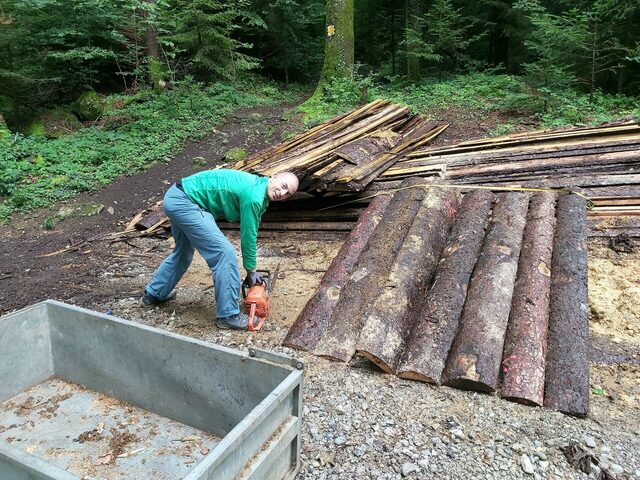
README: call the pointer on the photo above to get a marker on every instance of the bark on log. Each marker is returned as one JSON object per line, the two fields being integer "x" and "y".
{"x": 525, "y": 347}
{"x": 306, "y": 331}
{"x": 433, "y": 333}
{"x": 474, "y": 360}
{"x": 369, "y": 272}
{"x": 567, "y": 371}
{"x": 392, "y": 315}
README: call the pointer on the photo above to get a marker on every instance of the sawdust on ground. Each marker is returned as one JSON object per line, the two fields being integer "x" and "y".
{"x": 614, "y": 292}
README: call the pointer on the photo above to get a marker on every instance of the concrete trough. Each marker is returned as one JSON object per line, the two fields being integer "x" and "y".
{"x": 87, "y": 395}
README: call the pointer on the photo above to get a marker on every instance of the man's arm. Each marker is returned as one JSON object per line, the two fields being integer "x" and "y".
{"x": 250, "y": 214}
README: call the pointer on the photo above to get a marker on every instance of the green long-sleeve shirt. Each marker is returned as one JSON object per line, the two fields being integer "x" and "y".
{"x": 233, "y": 196}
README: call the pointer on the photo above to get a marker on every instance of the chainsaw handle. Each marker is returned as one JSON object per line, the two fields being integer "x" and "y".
{"x": 245, "y": 288}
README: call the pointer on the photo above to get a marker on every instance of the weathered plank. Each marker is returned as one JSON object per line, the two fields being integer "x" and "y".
{"x": 369, "y": 272}
{"x": 525, "y": 346}
{"x": 567, "y": 370}
{"x": 389, "y": 321}
{"x": 311, "y": 323}
{"x": 437, "y": 322}
{"x": 474, "y": 360}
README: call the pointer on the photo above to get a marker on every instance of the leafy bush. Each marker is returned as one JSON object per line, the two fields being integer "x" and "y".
{"x": 337, "y": 96}
{"x": 34, "y": 171}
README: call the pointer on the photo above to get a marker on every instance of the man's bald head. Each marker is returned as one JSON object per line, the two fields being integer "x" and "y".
{"x": 281, "y": 186}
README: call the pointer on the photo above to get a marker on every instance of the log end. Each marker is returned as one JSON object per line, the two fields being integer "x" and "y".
{"x": 378, "y": 361}
{"x": 570, "y": 404}
{"x": 296, "y": 346}
{"x": 419, "y": 377}
{"x": 531, "y": 402}
{"x": 469, "y": 384}
{"x": 335, "y": 357}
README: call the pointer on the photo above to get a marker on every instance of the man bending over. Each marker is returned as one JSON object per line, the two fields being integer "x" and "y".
{"x": 194, "y": 204}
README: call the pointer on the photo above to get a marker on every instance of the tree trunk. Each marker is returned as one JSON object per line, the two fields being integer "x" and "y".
{"x": 155, "y": 67}
{"x": 389, "y": 321}
{"x": 306, "y": 331}
{"x": 525, "y": 347}
{"x": 438, "y": 319}
{"x": 412, "y": 10}
{"x": 339, "y": 45}
{"x": 567, "y": 371}
{"x": 393, "y": 38}
{"x": 474, "y": 360}
{"x": 369, "y": 273}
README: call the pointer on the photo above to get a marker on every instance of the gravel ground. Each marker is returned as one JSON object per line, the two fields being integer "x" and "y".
{"x": 362, "y": 424}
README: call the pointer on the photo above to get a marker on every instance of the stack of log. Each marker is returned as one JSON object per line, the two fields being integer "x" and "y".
{"x": 347, "y": 153}
{"x": 604, "y": 161}
{"x": 487, "y": 293}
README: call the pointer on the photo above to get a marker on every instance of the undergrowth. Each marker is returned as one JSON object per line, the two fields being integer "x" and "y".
{"x": 135, "y": 132}
{"x": 473, "y": 94}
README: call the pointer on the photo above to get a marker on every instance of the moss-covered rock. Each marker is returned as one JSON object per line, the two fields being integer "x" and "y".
{"x": 89, "y": 105}
{"x": 236, "y": 155}
{"x": 157, "y": 74}
{"x": 54, "y": 124}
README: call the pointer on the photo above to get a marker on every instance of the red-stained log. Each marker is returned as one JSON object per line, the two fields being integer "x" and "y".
{"x": 474, "y": 360}
{"x": 311, "y": 323}
{"x": 525, "y": 347}
{"x": 437, "y": 322}
{"x": 370, "y": 271}
{"x": 389, "y": 321}
{"x": 567, "y": 371}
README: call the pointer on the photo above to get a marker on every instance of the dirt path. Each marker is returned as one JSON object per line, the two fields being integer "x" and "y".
{"x": 27, "y": 277}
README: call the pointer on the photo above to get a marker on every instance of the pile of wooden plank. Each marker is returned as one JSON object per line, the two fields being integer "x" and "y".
{"x": 347, "y": 153}
{"x": 485, "y": 293}
{"x": 604, "y": 161}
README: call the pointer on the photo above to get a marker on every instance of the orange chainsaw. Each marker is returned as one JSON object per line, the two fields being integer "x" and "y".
{"x": 257, "y": 302}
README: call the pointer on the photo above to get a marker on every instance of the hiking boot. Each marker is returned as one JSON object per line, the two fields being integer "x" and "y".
{"x": 147, "y": 300}
{"x": 239, "y": 321}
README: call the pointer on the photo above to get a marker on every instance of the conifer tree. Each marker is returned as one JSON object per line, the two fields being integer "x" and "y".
{"x": 203, "y": 30}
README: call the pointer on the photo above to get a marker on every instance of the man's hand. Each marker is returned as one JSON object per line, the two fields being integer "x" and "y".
{"x": 251, "y": 279}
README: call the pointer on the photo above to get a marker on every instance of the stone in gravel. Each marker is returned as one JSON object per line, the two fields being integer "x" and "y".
{"x": 390, "y": 432}
{"x": 589, "y": 441}
{"x": 544, "y": 464}
{"x": 340, "y": 440}
{"x": 490, "y": 454}
{"x": 617, "y": 469}
{"x": 360, "y": 450}
{"x": 408, "y": 468}
{"x": 423, "y": 463}
{"x": 526, "y": 464}
{"x": 541, "y": 455}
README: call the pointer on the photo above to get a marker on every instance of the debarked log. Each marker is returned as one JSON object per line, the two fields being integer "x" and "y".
{"x": 525, "y": 346}
{"x": 437, "y": 321}
{"x": 389, "y": 321}
{"x": 370, "y": 271}
{"x": 474, "y": 360}
{"x": 311, "y": 323}
{"x": 567, "y": 370}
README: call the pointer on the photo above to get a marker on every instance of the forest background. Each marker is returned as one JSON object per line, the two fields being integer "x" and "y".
{"x": 94, "y": 89}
